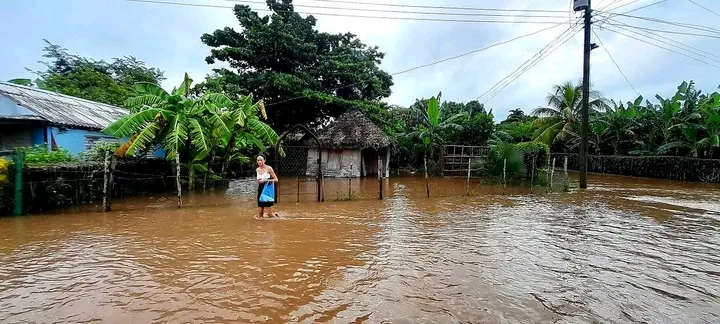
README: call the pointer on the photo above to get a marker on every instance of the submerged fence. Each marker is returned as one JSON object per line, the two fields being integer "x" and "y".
{"x": 663, "y": 167}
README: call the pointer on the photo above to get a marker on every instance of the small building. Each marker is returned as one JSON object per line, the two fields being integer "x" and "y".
{"x": 31, "y": 116}
{"x": 352, "y": 146}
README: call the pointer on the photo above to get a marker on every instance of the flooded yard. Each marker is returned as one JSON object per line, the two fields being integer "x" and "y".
{"x": 624, "y": 251}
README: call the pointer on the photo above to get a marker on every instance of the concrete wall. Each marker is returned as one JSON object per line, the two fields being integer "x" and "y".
{"x": 336, "y": 163}
{"x": 79, "y": 140}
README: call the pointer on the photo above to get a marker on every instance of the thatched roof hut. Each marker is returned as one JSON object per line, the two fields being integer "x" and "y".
{"x": 353, "y": 130}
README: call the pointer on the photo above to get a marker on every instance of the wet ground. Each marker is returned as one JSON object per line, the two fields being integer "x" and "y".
{"x": 625, "y": 251}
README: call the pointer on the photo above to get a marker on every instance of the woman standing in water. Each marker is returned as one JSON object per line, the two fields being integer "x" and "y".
{"x": 265, "y": 174}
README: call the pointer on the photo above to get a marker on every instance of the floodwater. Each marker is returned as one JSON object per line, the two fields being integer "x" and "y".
{"x": 624, "y": 251}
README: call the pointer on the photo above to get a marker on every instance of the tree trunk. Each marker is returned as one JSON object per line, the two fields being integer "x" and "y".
{"x": 226, "y": 157}
{"x": 191, "y": 176}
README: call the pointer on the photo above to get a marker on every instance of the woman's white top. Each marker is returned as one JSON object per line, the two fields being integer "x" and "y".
{"x": 262, "y": 176}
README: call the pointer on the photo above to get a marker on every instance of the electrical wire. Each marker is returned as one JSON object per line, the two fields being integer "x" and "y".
{"x": 351, "y": 16}
{"x": 664, "y": 31}
{"x": 652, "y": 35}
{"x": 673, "y": 23}
{"x": 610, "y": 14}
{"x": 411, "y": 12}
{"x": 614, "y": 62}
{"x": 614, "y": 2}
{"x": 496, "y": 89}
{"x": 439, "y": 7}
{"x": 649, "y": 43}
{"x": 430, "y": 64}
{"x": 706, "y": 8}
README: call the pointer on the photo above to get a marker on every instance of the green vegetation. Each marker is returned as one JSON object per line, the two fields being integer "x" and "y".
{"x": 282, "y": 56}
{"x": 686, "y": 124}
{"x": 39, "y": 155}
{"x": 107, "y": 82}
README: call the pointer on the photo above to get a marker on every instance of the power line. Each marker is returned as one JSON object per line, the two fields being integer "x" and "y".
{"x": 610, "y": 14}
{"x": 664, "y": 31}
{"x": 673, "y": 23}
{"x": 708, "y": 9}
{"x": 532, "y": 61}
{"x": 667, "y": 49}
{"x": 650, "y": 34}
{"x": 431, "y": 64}
{"x": 614, "y": 62}
{"x": 614, "y": 2}
{"x": 440, "y": 7}
{"x": 349, "y": 16}
{"x": 410, "y": 12}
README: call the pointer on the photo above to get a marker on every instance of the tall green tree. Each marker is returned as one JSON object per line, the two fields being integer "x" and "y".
{"x": 296, "y": 70}
{"x": 107, "y": 82}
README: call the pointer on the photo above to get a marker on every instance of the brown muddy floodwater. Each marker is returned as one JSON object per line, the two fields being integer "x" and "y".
{"x": 625, "y": 251}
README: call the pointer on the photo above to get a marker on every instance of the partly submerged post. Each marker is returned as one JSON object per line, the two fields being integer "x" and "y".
{"x": 107, "y": 191}
{"x": 532, "y": 174}
{"x": 380, "y": 181}
{"x": 387, "y": 162}
{"x": 504, "y": 175}
{"x": 468, "y": 175}
{"x": 350, "y": 183}
{"x": 177, "y": 179}
{"x": 565, "y": 174}
{"x": 298, "y": 189}
{"x": 19, "y": 161}
{"x": 552, "y": 175}
{"x": 427, "y": 185}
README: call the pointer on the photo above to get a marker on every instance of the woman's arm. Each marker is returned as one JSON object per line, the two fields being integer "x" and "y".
{"x": 272, "y": 174}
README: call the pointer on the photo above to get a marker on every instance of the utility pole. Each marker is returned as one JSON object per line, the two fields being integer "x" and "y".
{"x": 585, "y": 126}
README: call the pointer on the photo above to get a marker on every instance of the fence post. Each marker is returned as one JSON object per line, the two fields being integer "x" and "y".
{"x": 350, "y": 183}
{"x": 565, "y": 174}
{"x": 468, "y": 176}
{"x": 107, "y": 192}
{"x": 504, "y": 175}
{"x": 380, "y": 181}
{"x": 552, "y": 175}
{"x": 532, "y": 174}
{"x": 298, "y": 189}
{"x": 427, "y": 185}
{"x": 19, "y": 161}
{"x": 177, "y": 179}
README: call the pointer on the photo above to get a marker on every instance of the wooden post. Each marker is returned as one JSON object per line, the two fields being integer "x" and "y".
{"x": 468, "y": 176}
{"x": 552, "y": 174}
{"x": 565, "y": 174}
{"x": 298, "y": 189}
{"x": 387, "y": 162}
{"x": 532, "y": 175}
{"x": 19, "y": 161}
{"x": 350, "y": 183}
{"x": 177, "y": 179}
{"x": 427, "y": 185}
{"x": 504, "y": 176}
{"x": 380, "y": 181}
{"x": 107, "y": 190}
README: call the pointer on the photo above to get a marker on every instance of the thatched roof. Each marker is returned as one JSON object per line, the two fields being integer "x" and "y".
{"x": 353, "y": 130}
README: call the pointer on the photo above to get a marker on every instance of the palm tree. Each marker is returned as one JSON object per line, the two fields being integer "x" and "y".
{"x": 563, "y": 111}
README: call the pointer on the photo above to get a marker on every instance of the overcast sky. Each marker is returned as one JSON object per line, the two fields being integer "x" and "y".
{"x": 168, "y": 37}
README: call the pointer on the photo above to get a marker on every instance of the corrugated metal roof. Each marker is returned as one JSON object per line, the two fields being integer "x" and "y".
{"x": 61, "y": 109}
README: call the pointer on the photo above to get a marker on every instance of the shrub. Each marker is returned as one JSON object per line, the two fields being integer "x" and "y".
{"x": 534, "y": 151}
{"x": 38, "y": 154}
{"x": 97, "y": 152}
{"x": 505, "y": 156}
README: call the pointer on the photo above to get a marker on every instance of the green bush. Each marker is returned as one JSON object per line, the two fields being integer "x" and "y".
{"x": 503, "y": 156}
{"x": 534, "y": 151}
{"x": 97, "y": 152}
{"x": 38, "y": 154}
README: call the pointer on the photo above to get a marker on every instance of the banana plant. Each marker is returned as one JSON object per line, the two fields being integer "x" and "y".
{"x": 431, "y": 121}
{"x": 178, "y": 122}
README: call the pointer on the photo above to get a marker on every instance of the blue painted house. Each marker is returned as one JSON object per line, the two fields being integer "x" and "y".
{"x": 30, "y": 116}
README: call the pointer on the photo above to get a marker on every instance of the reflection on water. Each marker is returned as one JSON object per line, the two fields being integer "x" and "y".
{"x": 626, "y": 250}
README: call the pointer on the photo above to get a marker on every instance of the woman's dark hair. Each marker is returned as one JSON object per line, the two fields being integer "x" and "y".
{"x": 262, "y": 156}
